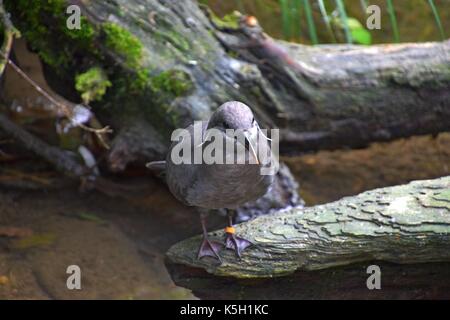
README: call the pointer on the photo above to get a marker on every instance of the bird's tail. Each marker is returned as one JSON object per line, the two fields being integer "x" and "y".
{"x": 157, "y": 166}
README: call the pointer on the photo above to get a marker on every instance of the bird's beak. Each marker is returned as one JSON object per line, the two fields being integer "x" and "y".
{"x": 252, "y": 137}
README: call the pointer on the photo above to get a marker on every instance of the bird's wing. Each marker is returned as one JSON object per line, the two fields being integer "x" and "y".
{"x": 157, "y": 167}
{"x": 181, "y": 178}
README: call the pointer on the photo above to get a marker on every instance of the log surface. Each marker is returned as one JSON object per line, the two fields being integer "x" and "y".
{"x": 402, "y": 224}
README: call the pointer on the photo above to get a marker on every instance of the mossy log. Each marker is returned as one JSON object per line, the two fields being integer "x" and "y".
{"x": 402, "y": 224}
{"x": 133, "y": 75}
{"x": 168, "y": 63}
{"x": 159, "y": 65}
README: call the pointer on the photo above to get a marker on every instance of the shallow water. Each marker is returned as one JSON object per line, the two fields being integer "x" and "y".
{"x": 119, "y": 242}
{"x": 330, "y": 175}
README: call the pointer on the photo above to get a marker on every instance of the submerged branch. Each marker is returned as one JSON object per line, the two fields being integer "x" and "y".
{"x": 63, "y": 161}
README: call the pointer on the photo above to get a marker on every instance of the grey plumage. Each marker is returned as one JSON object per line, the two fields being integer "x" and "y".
{"x": 217, "y": 186}
{"x": 220, "y": 186}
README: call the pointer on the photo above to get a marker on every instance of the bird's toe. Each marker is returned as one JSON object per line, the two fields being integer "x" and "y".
{"x": 209, "y": 248}
{"x": 237, "y": 244}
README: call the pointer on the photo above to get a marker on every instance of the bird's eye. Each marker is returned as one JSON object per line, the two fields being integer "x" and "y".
{"x": 253, "y": 120}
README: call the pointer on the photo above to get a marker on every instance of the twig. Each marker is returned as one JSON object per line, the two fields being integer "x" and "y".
{"x": 66, "y": 111}
{"x": 64, "y": 108}
{"x": 63, "y": 161}
{"x": 9, "y": 33}
{"x": 98, "y": 133}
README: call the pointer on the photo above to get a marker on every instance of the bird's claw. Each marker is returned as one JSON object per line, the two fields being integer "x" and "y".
{"x": 209, "y": 248}
{"x": 237, "y": 244}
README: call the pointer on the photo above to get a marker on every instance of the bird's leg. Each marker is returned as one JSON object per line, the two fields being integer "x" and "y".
{"x": 232, "y": 241}
{"x": 208, "y": 247}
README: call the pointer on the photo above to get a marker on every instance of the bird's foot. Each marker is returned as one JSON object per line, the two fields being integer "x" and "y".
{"x": 209, "y": 248}
{"x": 236, "y": 243}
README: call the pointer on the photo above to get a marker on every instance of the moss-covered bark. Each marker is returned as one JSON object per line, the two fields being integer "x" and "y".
{"x": 141, "y": 85}
{"x": 170, "y": 63}
{"x": 403, "y": 224}
{"x": 165, "y": 64}
{"x": 7, "y": 33}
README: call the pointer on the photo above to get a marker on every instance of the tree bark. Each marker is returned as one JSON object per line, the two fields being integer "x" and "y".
{"x": 321, "y": 97}
{"x": 149, "y": 53}
{"x": 327, "y": 97}
{"x": 402, "y": 224}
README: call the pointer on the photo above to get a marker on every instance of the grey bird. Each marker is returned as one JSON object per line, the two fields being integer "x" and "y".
{"x": 221, "y": 186}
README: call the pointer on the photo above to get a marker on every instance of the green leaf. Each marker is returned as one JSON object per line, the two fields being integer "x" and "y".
{"x": 359, "y": 33}
{"x": 354, "y": 23}
{"x": 361, "y": 36}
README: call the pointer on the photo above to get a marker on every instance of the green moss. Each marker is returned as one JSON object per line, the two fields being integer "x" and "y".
{"x": 66, "y": 52}
{"x": 175, "y": 38}
{"x": 92, "y": 84}
{"x": 165, "y": 87}
{"x": 140, "y": 80}
{"x": 123, "y": 43}
{"x": 83, "y": 36}
{"x": 173, "y": 82}
{"x": 60, "y": 46}
{"x": 179, "y": 41}
{"x": 159, "y": 90}
{"x": 230, "y": 21}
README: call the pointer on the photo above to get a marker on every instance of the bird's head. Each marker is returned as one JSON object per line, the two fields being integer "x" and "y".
{"x": 233, "y": 115}
{"x": 237, "y": 116}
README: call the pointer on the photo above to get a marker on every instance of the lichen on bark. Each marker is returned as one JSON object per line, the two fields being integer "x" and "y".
{"x": 402, "y": 224}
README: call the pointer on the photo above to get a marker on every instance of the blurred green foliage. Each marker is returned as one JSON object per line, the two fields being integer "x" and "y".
{"x": 329, "y": 21}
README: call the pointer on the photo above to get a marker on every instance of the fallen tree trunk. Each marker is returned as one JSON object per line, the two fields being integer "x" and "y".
{"x": 169, "y": 64}
{"x": 327, "y": 97}
{"x": 402, "y": 224}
